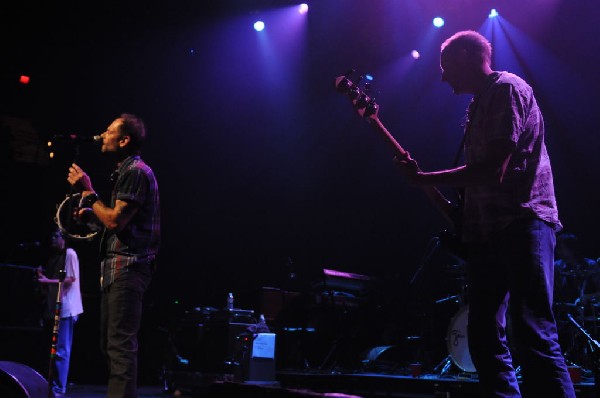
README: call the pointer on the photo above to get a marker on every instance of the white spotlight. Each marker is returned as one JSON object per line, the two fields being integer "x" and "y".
{"x": 493, "y": 13}
{"x": 438, "y": 22}
{"x": 303, "y": 8}
{"x": 415, "y": 54}
{"x": 259, "y": 26}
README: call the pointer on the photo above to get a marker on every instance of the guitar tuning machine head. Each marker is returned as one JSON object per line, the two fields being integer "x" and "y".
{"x": 371, "y": 108}
{"x": 362, "y": 101}
{"x": 354, "y": 92}
{"x": 343, "y": 84}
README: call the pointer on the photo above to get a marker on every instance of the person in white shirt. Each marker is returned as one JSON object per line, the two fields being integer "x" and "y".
{"x": 71, "y": 305}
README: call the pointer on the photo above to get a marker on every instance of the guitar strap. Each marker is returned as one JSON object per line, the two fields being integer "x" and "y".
{"x": 466, "y": 125}
{"x": 470, "y": 111}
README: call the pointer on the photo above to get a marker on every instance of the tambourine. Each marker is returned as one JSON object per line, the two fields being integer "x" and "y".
{"x": 72, "y": 225}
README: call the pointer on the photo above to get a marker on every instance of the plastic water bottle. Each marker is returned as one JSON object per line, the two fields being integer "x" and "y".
{"x": 261, "y": 326}
{"x": 230, "y": 301}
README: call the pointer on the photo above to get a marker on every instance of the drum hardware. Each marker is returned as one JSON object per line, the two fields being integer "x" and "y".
{"x": 574, "y": 352}
{"x": 581, "y": 282}
{"x": 595, "y": 352}
{"x": 443, "y": 367}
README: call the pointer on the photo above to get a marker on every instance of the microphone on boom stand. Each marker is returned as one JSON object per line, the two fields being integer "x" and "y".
{"x": 76, "y": 139}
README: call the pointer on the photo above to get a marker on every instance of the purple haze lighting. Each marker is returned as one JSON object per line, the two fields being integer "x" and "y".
{"x": 303, "y": 8}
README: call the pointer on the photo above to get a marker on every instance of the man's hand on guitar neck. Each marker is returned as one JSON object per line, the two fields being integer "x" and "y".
{"x": 408, "y": 168}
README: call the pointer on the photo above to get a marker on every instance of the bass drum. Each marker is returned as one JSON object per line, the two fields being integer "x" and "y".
{"x": 458, "y": 342}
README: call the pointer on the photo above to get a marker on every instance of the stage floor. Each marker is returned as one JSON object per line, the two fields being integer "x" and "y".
{"x": 97, "y": 391}
{"x": 376, "y": 385}
{"x": 325, "y": 384}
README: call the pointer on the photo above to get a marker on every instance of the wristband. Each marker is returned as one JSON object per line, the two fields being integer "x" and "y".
{"x": 91, "y": 199}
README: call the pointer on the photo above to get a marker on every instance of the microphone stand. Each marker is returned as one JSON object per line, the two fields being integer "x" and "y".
{"x": 61, "y": 279}
{"x": 595, "y": 348}
{"x": 55, "y": 329}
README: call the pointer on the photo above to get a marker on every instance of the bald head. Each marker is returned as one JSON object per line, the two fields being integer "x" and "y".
{"x": 465, "y": 61}
{"x": 476, "y": 49}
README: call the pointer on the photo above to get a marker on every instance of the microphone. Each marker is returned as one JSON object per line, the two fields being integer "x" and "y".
{"x": 29, "y": 244}
{"x": 76, "y": 138}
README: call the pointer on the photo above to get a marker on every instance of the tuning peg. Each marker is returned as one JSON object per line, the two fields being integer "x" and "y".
{"x": 354, "y": 92}
{"x": 371, "y": 108}
{"x": 343, "y": 83}
{"x": 361, "y": 101}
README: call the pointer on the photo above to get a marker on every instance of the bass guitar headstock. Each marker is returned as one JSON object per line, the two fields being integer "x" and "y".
{"x": 358, "y": 93}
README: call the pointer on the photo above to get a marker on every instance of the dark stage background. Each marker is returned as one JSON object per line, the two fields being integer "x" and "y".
{"x": 264, "y": 170}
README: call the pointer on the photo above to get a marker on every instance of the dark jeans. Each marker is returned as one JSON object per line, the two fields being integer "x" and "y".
{"x": 516, "y": 264}
{"x": 120, "y": 317}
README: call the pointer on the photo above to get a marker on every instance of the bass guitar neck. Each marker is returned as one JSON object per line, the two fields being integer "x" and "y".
{"x": 368, "y": 108}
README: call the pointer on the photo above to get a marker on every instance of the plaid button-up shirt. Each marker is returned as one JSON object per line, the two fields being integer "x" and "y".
{"x": 139, "y": 240}
{"x": 507, "y": 111}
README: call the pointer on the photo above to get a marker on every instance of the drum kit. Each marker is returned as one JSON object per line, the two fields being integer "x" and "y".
{"x": 576, "y": 309}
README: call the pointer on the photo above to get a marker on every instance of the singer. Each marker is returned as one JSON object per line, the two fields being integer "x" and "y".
{"x": 130, "y": 244}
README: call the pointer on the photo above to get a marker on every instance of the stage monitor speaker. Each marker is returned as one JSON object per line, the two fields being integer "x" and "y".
{"x": 258, "y": 358}
{"x": 20, "y": 381}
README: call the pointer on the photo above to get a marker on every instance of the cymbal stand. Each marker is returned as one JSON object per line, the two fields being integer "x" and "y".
{"x": 595, "y": 350}
{"x": 444, "y": 366}
{"x": 579, "y": 306}
{"x": 434, "y": 245}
